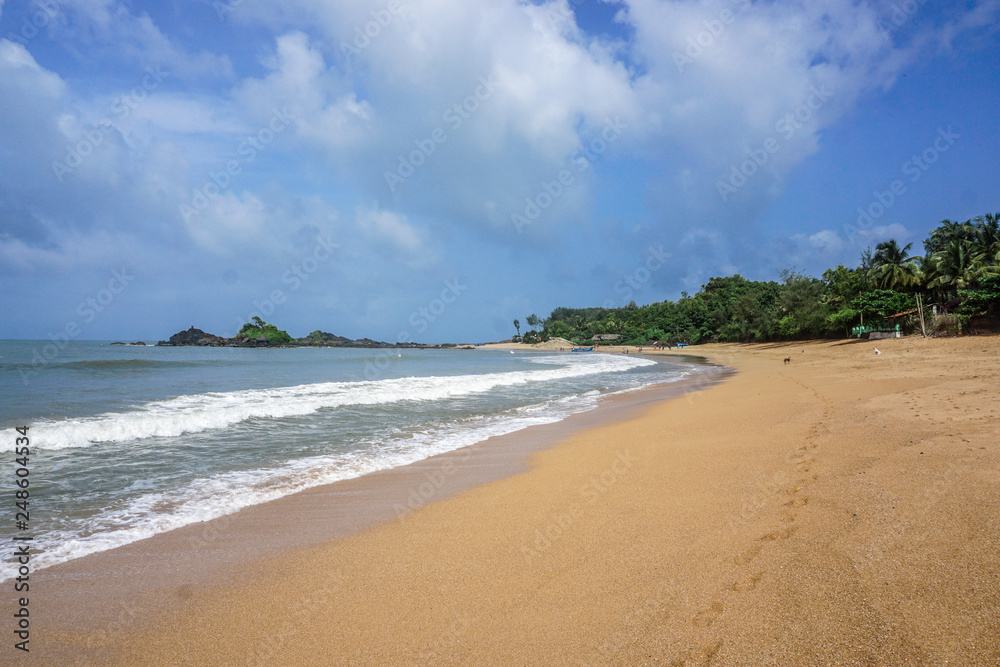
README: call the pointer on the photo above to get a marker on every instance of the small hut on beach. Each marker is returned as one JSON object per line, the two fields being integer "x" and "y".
{"x": 605, "y": 338}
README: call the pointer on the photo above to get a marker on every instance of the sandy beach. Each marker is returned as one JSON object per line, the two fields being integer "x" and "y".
{"x": 843, "y": 508}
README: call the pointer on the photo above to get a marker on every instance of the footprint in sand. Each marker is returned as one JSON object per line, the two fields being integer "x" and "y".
{"x": 746, "y": 583}
{"x": 706, "y": 617}
{"x": 745, "y": 557}
{"x": 702, "y": 657}
{"x": 779, "y": 534}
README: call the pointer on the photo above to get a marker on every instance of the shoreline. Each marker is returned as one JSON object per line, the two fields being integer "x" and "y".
{"x": 87, "y": 594}
{"x": 843, "y": 508}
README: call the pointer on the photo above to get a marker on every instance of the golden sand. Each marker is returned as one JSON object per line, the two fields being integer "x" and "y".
{"x": 841, "y": 509}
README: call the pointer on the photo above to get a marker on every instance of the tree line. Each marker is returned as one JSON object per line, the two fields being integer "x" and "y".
{"x": 959, "y": 274}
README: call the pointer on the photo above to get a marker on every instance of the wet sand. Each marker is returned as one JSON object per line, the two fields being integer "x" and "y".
{"x": 84, "y": 605}
{"x": 843, "y": 508}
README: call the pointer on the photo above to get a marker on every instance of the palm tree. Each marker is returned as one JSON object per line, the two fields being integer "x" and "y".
{"x": 893, "y": 266}
{"x": 517, "y": 325}
{"x": 954, "y": 267}
{"x": 987, "y": 241}
{"x": 949, "y": 231}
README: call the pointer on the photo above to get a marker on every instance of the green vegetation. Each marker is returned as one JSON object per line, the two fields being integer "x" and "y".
{"x": 959, "y": 273}
{"x": 323, "y": 338}
{"x": 982, "y": 301}
{"x": 258, "y": 327}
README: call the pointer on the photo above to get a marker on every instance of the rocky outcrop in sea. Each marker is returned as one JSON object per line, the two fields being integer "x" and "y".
{"x": 199, "y": 338}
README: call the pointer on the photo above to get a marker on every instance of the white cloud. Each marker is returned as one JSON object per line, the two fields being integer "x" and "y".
{"x": 73, "y": 251}
{"x": 983, "y": 15}
{"x": 719, "y": 88}
{"x": 172, "y": 112}
{"x": 877, "y": 234}
{"x": 513, "y": 93}
{"x": 826, "y": 241}
{"x": 21, "y": 69}
{"x": 111, "y": 31}
{"x": 32, "y": 100}
{"x": 229, "y": 224}
{"x": 778, "y": 72}
{"x": 384, "y": 226}
{"x": 325, "y": 110}
{"x": 530, "y": 88}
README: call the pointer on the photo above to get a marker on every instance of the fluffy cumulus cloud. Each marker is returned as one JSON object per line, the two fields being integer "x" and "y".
{"x": 493, "y": 98}
{"x": 497, "y": 98}
{"x": 109, "y": 30}
{"x": 721, "y": 77}
{"x": 385, "y": 227}
{"x": 428, "y": 139}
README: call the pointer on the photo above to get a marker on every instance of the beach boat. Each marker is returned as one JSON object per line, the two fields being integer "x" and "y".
{"x": 584, "y": 349}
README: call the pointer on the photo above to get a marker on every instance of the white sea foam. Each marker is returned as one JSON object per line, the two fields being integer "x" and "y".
{"x": 206, "y": 499}
{"x": 203, "y": 412}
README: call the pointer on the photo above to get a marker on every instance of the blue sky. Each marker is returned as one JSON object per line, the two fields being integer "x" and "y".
{"x": 432, "y": 170}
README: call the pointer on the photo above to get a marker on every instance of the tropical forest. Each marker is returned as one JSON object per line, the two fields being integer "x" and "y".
{"x": 952, "y": 288}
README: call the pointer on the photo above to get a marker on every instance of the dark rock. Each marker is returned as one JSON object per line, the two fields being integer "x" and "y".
{"x": 193, "y": 337}
{"x": 197, "y": 337}
{"x": 325, "y": 339}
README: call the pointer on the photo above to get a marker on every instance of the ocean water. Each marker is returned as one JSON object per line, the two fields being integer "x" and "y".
{"x": 128, "y": 442}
